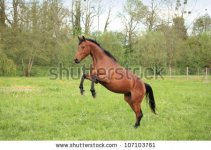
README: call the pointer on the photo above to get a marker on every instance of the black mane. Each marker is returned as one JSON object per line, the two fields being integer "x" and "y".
{"x": 105, "y": 51}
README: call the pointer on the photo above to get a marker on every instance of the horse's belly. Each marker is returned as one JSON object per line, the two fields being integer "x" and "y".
{"x": 118, "y": 86}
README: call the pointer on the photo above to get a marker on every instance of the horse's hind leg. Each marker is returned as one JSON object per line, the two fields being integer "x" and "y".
{"x": 138, "y": 112}
{"x": 136, "y": 102}
{"x": 135, "y": 105}
{"x": 127, "y": 98}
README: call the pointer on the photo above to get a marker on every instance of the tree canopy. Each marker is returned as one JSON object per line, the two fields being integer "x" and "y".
{"x": 36, "y": 33}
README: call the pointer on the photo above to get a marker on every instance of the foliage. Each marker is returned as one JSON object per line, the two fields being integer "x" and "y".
{"x": 198, "y": 51}
{"x": 150, "y": 50}
{"x": 179, "y": 27}
{"x": 7, "y": 66}
{"x": 44, "y": 34}
{"x": 202, "y": 24}
{"x": 111, "y": 41}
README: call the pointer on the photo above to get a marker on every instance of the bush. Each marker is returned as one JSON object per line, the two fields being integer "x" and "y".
{"x": 7, "y": 66}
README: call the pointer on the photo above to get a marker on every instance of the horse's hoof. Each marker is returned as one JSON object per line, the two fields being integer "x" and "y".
{"x": 82, "y": 91}
{"x": 136, "y": 126}
{"x": 93, "y": 94}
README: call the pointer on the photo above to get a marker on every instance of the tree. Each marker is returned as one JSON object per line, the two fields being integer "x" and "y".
{"x": 107, "y": 20}
{"x": 181, "y": 8}
{"x": 179, "y": 27}
{"x": 111, "y": 42}
{"x": 14, "y": 18}
{"x": 182, "y": 12}
{"x": 152, "y": 18}
{"x": 198, "y": 52}
{"x": 202, "y": 24}
{"x": 134, "y": 12}
{"x": 88, "y": 16}
{"x": 174, "y": 45}
{"x": 2, "y": 14}
{"x": 2, "y": 20}
{"x": 151, "y": 50}
{"x": 15, "y": 4}
{"x": 76, "y": 17}
{"x": 39, "y": 32}
{"x": 7, "y": 66}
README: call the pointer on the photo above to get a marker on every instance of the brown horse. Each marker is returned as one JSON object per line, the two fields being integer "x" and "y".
{"x": 114, "y": 77}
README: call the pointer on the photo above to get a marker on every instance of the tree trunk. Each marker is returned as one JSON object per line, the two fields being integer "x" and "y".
{"x": 15, "y": 14}
{"x": 107, "y": 20}
{"x": 76, "y": 17}
{"x": 27, "y": 68}
{"x": 2, "y": 14}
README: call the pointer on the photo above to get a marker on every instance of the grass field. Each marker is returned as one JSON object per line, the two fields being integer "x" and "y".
{"x": 43, "y": 109}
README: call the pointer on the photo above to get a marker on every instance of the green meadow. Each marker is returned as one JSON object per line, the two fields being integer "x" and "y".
{"x": 44, "y": 109}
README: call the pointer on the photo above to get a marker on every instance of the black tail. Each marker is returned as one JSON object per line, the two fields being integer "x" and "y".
{"x": 150, "y": 97}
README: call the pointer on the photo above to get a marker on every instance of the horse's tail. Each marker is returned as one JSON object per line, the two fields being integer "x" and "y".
{"x": 150, "y": 97}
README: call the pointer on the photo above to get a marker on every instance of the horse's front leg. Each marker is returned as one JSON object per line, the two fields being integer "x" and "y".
{"x": 81, "y": 86}
{"x": 93, "y": 80}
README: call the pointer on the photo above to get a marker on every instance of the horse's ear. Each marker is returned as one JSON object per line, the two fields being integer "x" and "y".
{"x": 84, "y": 39}
{"x": 81, "y": 39}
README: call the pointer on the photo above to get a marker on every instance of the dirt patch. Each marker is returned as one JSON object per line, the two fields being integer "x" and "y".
{"x": 18, "y": 89}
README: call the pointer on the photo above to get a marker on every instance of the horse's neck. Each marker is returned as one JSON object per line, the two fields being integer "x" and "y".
{"x": 98, "y": 56}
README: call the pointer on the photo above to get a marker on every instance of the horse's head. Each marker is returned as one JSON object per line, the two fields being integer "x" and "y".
{"x": 83, "y": 49}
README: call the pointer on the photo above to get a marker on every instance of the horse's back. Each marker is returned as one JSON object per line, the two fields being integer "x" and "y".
{"x": 122, "y": 80}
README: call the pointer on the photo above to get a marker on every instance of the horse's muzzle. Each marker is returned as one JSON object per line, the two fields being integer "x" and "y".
{"x": 76, "y": 61}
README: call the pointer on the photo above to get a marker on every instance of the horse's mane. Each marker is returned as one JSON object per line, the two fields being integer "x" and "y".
{"x": 105, "y": 51}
